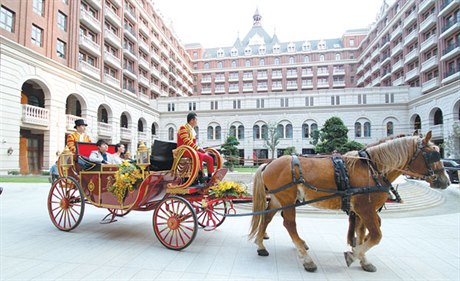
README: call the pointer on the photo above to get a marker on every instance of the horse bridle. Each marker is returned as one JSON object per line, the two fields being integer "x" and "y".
{"x": 429, "y": 158}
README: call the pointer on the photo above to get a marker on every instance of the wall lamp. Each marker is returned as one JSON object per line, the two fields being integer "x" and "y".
{"x": 10, "y": 151}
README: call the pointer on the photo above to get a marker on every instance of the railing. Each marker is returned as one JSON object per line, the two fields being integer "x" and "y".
{"x": 89, "y": 69}
{"x": 111, "y": 80}
{"x": 85, "y": 40}
{"x": 35, "y": 115}
{"x": 104, "y": 129}
{"x": 142, "y": 136}
{"x": 70, "y": 121}
{"x": 125, "y": 133}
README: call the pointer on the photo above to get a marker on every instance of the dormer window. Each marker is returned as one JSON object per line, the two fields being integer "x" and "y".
{"x": 220, "y": 53}
{"x": 322, "y": 45}
{"x": 291, "y": 47}
{"x": 262, "y": 50}
{"x": 234, "y": 52}
{"x": 247, "y": 51}
{"x": 276, "y": 49}
{"x": 306, "y": 46}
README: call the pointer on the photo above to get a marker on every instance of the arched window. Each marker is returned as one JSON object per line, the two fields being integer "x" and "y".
{"x": 264, "y": 131}
{"x": 256, "y": 132}
{"x": 357, "y": 129}
{"x": 104, "y": 116}
{"x": 417, "y": 123}
{"x": 289, "y": 131}
{"x": 140, "y": 126}
{"x": 321, "y": 58}
{"x": 248, "y": 63}
{"x": 206, "y": 65}
{"x": 313, "y": 127}
{"x": 210, "y": 133}
{"x": 367, "y": 129}
{"x": 277, "y": 61}
{"x": 218, "y": 133}
{"x": 233, "y": 64}
{"x": 306, "y": 59}
{"x": 390, "y": 128}
{"x": 438, "y": 119}
{"x": 232, "y": 132}
{"x": 261, "y": 62}
{"x": 280, "y": 129}
{"x": 154, "y": 129}
{"x": 291, "y": 60}
{"x": 219, "y": 64}
{"x": 240, "y": 132}
{"x": 124, "y": 121}
{"x": 305, "y": 131}
{"x": 171, "y": 134}
{"x": 337, "y": 56}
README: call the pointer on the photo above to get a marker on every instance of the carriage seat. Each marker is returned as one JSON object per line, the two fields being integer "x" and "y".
{"x": 162, "y": 157}
{"x": 83, "y": 150}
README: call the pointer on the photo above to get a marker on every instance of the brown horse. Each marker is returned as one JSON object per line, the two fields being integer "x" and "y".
{"x": 385, "y": 161}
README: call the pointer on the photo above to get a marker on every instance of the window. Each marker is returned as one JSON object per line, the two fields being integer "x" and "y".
{"x": 171, "y": 107}
{"x": 305, "y": 131}
{"x": 261, "y": 62}
{"x": 37, "y": 7}
{"x": 357, "y": 130}
{"x": 264, "y": 132}
{"x": 219, "y": 65}
{"x": 61, "y": 49}
{"x": 289, "y": 131}
{"x": 284, "y": 102}
{"x": 260, "y": 103}
{"x": 321, "y": 58}
{"x": 214, "y": 105}
{"x": 206, "y": 65}
{"x": 233, "y": 64}
{"x": 280, "y": 129}
{"x": 389, "y": 98}
{"x": 335, "y": 100}
{"x": 248, "y": 63}
{"x": 277, "y": 61}
{"x": 337, "y": 56}
{"x": 218, "y": 133}
{"x": 367, "y": 129}
{"x": 37, "y": 35}
{"x": 256, "y": 132}
{"x": 291, "y": 60}
{"x": 240, "y": 132}
{"x": 306, "y": 59}
{"x": 362, "y": 99}
{"x": 171, "y": 134}
{"x": 390, "y": 128}
{"x": 7, "y": 19}
{"x": 62, "y": 21}
{"x": 352, "y": 42}
{"x": 237, "y": 104}
{"x": 192, "y": 106}
{"x": 232, "y": 132}
{"x": 210, "y": 132}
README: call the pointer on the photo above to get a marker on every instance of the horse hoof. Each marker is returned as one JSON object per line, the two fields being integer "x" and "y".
{"x": 369, "y": 267}
{"x": 310, "y": 266}
{"x": 262, "y": 252}
{"x": 349, "y": 258}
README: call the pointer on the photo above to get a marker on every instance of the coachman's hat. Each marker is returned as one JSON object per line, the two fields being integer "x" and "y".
{"x": 79, "y": 122}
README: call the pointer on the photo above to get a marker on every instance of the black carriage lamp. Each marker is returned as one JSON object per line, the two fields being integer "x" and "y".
{"x": 143, "y": 156}
{"x": 66, "y": 160}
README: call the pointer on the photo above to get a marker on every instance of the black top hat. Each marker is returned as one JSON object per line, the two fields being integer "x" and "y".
{"x": 79, "y": 122}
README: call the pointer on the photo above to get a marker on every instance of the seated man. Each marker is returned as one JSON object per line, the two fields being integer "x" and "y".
{"x": 187, "y": 135}
{"x": 101, "y": 156}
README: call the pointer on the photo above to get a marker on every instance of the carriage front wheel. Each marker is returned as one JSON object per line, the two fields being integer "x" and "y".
{"x": 175, "y": 223}
{"x": 66, "y": 204}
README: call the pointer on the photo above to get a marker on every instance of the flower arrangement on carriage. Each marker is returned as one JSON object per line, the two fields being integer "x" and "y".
{"x": 223, "y": 189}
{"x": 127, "y": 178}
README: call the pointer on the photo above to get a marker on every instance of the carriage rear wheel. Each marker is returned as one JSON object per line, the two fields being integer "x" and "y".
{"x": 119, "y": 212}
{"x": 175, "y": 223}
{"x": 66, "y": 204}
{"x": 211, "y": 216}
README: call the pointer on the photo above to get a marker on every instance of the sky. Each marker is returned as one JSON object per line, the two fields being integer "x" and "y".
{"x": 217, "y": 23}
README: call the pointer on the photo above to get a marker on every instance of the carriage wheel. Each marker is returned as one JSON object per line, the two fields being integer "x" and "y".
{"x": 175, "y": 223}
{"x": 212, "y": 216}
{"x": 66, "y": 204}
{"x": 119, "y": 212}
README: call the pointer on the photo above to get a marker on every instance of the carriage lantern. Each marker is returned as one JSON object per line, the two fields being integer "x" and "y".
{"x": 143, "y": 156}
{"x": 66, "y": 160}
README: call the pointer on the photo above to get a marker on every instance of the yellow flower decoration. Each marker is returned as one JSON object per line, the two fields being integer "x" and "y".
{"x": 228, "y": 189}
{"x": 127, "y": 178}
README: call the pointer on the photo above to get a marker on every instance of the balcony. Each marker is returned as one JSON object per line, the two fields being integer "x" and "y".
{"x": 129, "y": 71}
{"x": 427, "y": 23}
{"x": 155, "y": 41}
{"x": 89, "y": 70}
{"x": 396, "y": 32}
{"x": 396, "y": 49}
{"x": 144, "y": 98}
{"x": 338, "y": 71}
{"x": 277, "y": 87}
{"x": 360, "y": 69}
{"x": 306, "y": 85}
{"x": 451, "y": 75}
{"x": 35, "y": 115}
{"x": 451, "y": 51}
{"x": 143, "y": 63}
{"x": 164, "y": 65}
{"x": 367, "y": 62}
{"x": 291, "y": 74}
{"x": 125, "y": 133}
{"x": 112, "y": 81}
{"x": 206, "y": 80}
{"x": 425, "y": 5}
{"x": 95, "y": 3}
{"x": 385, "y": 74}
{"x": 112, "y": 60}
{"x": 412, "y": 74}
{"x": 430, "y": 85}
{"x": 375, "y": 82}
{"x": 206, "y": 91}
{"x": 130, "y": 53}
{"x": 130, "y": 14}
{"x": 429, "y": 64}
{"x": 322, "y": 85}
{"x": 144, "y": 29}
{"x": 130, "y": 33}
{"x": 112, "y": 38}
{"x": 411, "y": 56}
{"x": 375, "y": 53}
{"x": 89, "y": 45}
{"x": 247, "y": 77}
{"x": 219, "y": 90}
{"x": 428, "y": 43}
{"x": 410, "y": 37}
{"x": 155, "y": 72}
{"x": 410, "y": 19}
{"x": 144, "y": 47}
{"x": 248, "y": 89}
{"x": 447, "y": 6}
{"x": 219, "y": 78}
{"x": 112, "y": 17}
{"x": 91, "y": 22}
{"x": 262, "y": 76}
{"x": 375, "y": 68}
{"x": 144, "y": 81}
{"x": 322, "y": 73}
{"x": 142, "y": 136}
{"x": 386, "y": 59}
{"x": 155, "y": 88}
{"x": 397, "y": 65}
{"x": 437, "y": 131}
{"x": 338, "y": 84}
{"x": 233, "y": 89}
{"x": 233, "y": 78}
{"x": 104, "y": 129}
{"x": 398, "y": 82}
{"x": 70, "y": 121}
{"x": 450, "y": 28}
{"x": 292, "y": 86}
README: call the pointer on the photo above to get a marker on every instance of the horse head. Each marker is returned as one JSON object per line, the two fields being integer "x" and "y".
{"x": 426, "y": 163}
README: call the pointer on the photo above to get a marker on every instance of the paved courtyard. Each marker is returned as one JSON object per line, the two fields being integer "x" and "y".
{"x": 420, "y": 244}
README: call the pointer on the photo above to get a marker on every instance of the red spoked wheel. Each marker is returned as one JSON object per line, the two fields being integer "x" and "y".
{"x": 66, "y": 204}
{"x": 211, "y": 215}
{"x": 119, "y": 212}
{"x": 175, "y": 223}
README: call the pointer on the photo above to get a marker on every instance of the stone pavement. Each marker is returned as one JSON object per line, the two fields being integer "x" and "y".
{"x": 418, "y": 244}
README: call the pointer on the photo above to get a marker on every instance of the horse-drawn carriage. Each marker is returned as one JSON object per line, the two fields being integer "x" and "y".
{"x": 167, "y": 182}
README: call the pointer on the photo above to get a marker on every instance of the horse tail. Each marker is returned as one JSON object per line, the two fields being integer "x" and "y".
{"x": 258, "y": 202}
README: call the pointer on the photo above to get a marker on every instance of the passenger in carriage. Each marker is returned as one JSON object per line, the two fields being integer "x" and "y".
{"x": 187, "y": 135}
{"x": 119, "y": 154}
{"x": 79, "y": 135}
{"x": 101, "y": 156}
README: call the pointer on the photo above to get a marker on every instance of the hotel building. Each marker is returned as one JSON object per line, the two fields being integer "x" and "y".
{"x": 116, "y": 64}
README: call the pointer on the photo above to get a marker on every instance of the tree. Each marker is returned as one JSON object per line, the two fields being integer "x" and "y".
{"x": 272, "y": 139}
{"x": 289, "y": 150}
{"x": 333, "y": 136}
{"x": 231, "y": 152}
{"x": 452, "y": 143}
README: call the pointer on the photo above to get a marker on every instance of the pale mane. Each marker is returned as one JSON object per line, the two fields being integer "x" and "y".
{"x": 388, "y": 155}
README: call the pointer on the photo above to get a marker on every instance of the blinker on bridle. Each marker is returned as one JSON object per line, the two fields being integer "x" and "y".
{"x": 429, "y": 158}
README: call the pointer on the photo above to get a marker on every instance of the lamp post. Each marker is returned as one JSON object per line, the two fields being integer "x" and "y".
{"x": 143, "y": 157}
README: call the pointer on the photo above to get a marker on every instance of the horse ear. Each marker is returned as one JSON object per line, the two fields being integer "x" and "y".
{"x": 427, "y": 137}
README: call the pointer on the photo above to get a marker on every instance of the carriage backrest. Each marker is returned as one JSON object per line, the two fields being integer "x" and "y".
{"x": 162, "y": 155}
{"x": 85, "y": 148}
